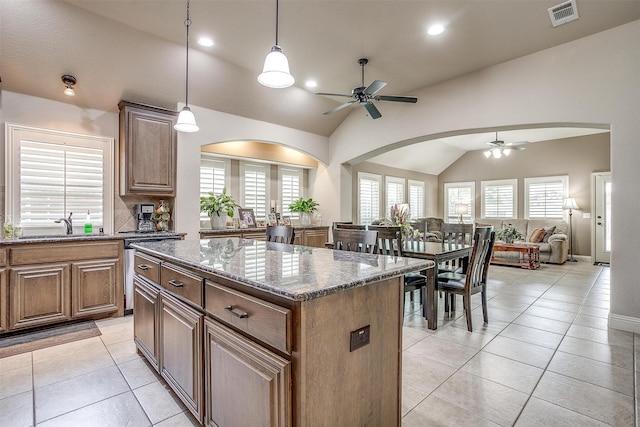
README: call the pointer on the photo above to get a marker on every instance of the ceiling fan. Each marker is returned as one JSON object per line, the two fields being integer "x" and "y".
{"x": 364, "y": 95}
{"x": 499, "y": 147}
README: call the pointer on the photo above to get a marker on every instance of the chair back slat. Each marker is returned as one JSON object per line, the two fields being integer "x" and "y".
{"x": 389, "y": 239}
{"x": 476, "y": 275}
{"x": 280, "y": 234}
{"x": 355, "y": 240}
{"x": 456, "y": 234}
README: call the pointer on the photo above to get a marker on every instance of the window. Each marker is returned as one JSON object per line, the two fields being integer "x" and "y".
{"x": 290, "y": 189}
{"x": 214, "y": 176}
{"x": 368, "y": 197}
{"x": 459, "y": 193}
{"x": 254, "y": 188}
{"x": 395, "y": 192}
{"x": 543, "y": 197}
{"x": 499, "y": 199}
{"x": 416, "y": 198}
{"x": 51, "y": 174}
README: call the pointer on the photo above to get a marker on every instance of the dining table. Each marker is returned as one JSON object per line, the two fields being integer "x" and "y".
{"x": 439, "y": 253}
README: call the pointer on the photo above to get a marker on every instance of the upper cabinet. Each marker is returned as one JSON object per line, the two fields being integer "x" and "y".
{"x": 148, "y": 144}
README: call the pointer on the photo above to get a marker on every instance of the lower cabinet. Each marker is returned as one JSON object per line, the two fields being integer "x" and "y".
{"x": 246, "y": 385}
{"x": 40, "y": 295}
{"x": 181, "y": 331}
{"x": 93, "y": 287}
{"x": 315, "y": 237}
{"x": 145, "y": 319}
{"x": 4, "y": 303}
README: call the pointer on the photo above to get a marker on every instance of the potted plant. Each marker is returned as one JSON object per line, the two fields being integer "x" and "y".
{"x": 306, "y": 208}
{"x": 508, "y": 233}
{"x": 218, "y": 207}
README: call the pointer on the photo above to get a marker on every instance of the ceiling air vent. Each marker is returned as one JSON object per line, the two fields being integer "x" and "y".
{"x": 563, "y": 13}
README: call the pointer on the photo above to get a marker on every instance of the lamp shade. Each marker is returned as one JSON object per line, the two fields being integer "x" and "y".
{"x": 186, "y": 121}
{"x": 275, "y": 73}
{"x": 462, "y": 208}
{"x": 570, "y": 203}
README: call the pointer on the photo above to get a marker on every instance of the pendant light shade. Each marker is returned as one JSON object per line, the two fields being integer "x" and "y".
{"x": 275, "y": 73}
{"x": 186, "y": 119}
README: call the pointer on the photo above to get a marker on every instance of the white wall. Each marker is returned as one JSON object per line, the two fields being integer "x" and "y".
{"x": 592, "y": 80}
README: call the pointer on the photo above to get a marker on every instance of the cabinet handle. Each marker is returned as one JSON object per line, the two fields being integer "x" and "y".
{"x": 239, "y": 315}
{"x": 144, "y": 267}
{"x": 176, "y": 284}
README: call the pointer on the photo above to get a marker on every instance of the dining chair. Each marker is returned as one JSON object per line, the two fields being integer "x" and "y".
{"x": 390, "y": 243}
{"x": 475, "y": 278}
{"x": 280, "y": 234}
{"x": 350, "y": 226}
{"x": 355, "y": 240}
{"x": 453, "y": 235}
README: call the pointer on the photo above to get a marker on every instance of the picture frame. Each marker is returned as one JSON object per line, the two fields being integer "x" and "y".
{"x": 286, "y": 220}
{"x": 247, "y": 216}
{"x": 272, "y": 219}
{"x": 243, "y": 224}
{"x": 261, "y": 223}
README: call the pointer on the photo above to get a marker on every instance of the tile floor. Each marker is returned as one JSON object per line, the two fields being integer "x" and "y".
{"x": 546, "y": 358}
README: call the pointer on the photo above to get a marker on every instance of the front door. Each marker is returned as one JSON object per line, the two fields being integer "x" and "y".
{"x": 601, "y": 220}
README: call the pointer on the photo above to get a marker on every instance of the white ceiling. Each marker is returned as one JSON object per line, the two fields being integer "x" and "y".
{"x": 134, "y": 50}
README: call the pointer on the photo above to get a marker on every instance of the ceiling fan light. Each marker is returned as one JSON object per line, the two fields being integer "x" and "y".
{"x": 497, "y": 153}
{"x": 506, "y": 151}
{"x": 487, "y": 153}
{"x": 69, "y": 91}
{"x": 275, "y": 73}
{"x": 186, "y": 121}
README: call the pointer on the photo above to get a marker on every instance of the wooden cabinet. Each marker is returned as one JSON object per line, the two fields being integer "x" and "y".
{"x": 93, "y": 287}
{"x": 307, "y": 236}
{"x": 181, "y": 334}
{"x": 40, "y": 295}
{"x": 4, "y": 301}
{"x": 316, "y": 237}
{"x": 145, "y": 319}
{"x": 148, "y": 147}
{"x": 246, "y": 385}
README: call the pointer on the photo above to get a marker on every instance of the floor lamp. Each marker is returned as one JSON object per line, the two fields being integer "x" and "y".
{"x": 570, "y": 203}
{"x": 461, "y": 209}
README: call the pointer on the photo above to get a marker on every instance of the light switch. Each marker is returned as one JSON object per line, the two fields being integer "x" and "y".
{"x": 586, "y": 215}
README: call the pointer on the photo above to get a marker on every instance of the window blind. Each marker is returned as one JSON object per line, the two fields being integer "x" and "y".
{"x": 545, "y": 197}
{"x": 459, "y": 193}
{"x": 416, "y": 199}
{"x": 255, "y": 178}
{"x": 213, "y": 175}
{"x": 499, "y": 199}
{"x": 290, "y": 183}
{"x": 395, "y": 192}
{"x": 368, "y": 198}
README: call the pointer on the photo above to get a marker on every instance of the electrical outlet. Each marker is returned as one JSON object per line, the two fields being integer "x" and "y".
{"x": 360, "y": 338}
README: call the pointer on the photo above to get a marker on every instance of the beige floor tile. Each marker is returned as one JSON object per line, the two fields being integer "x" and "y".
{"x": 483, "y": 398}
{"x": 610, "y": 336}
{"x": 591, "y": 321}
{"x": 598, "y": 373}
{"x": 138, "y": 373}
{"x": 422, "y": 373}
{"x": 515, "y": 297}
{"x": 183, "y": 419}
{"x": 120, "y": 410}
{"x": 123, "y": 351}
{"x": 554, "y": 295}
{"x": 496, "y": 314}
{"x": 443, "y": 351}
{"x": 157, "y": 401}
{"x": 117, "y": 333}
{"x": 557, "y": 305}
{"x": 475, "y": 340}
{"x": 15, "y": 381}
{"x": 520, "y": 351}
{"x": 17, "y": 410}
{"x": 539, "y": 413}
{"x": 510, "y": 373}
{"x": 542, "y": 323}
{"x": 601, "y": 352}
{"x": 550, "y": 313}
{"x": 63, "y": 351}
{"x": 479, "y": 327}
{"x": 15, "y": 362}
{"x": 410, "y": 336}
{"x": 507, "y": 305}
{"x": 595, "y": 311}
{"x": 65, "y": 396}
{"x": 411, "y": 397}
{"x": 437, "y": 412}
{"x": 532, "y": 335}
{"x": 587, "y": 399}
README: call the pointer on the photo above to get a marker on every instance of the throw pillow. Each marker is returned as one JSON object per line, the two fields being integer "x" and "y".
{"x": 548, "y": 231}
{"x": 537, "y": 235}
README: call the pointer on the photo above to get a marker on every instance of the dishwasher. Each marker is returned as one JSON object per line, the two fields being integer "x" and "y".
{"x": 129, "y": 267}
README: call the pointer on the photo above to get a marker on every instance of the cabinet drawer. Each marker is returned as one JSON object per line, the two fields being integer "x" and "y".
{"x": 266, "y": 322}
{"x": 147, "y": 267}
{"x": 182, "y": 283}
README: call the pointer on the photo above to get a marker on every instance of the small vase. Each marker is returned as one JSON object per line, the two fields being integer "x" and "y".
{"x": 305, "y": 218}
{"x": 219, "y": 222}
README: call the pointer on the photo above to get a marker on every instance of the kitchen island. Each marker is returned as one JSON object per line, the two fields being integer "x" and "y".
{"x": 248, "y": 332}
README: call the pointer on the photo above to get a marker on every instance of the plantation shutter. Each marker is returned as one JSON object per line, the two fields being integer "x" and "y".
{"x": 395, "y": 192}
{"x": 545, "y": 197}
{"x": 255, "y": 178}
{"x": 290, "y": 183}
{"x": 498, "y": 198}
{"x": 213, "y": 173}
{"x": 416, "y": 199}
{"x": 458, "y": 193}
{"x": 368, "y": 198}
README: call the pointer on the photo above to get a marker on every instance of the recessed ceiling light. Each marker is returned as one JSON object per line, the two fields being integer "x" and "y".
{"x": 436, "y": 29}
{"x": 205, "y": 41}
{"x": 311, "y": 83}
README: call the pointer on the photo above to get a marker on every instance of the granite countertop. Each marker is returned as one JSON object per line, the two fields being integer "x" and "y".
{"x": 81, "y": 237}
{"x": 294, "y": 272}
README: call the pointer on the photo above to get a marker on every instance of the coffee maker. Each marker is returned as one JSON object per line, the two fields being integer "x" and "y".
{"x": 145, "y": 211}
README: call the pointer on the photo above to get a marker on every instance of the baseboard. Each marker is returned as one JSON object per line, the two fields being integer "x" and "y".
{"x": 624, "y": 323}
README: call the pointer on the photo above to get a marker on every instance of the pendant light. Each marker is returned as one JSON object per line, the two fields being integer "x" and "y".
{"x": 186, "y": 119}
{"x": 275, "y": 72}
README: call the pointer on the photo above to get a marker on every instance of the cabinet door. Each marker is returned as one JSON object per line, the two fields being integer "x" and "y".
{"x": 181, "y": 347}
{"x": 145, "y": 319}
{"x": 94, "y": 286}
{"x": 148, "y": 150}
{"x": 246, "y": 385}
{"x": 40, "y": 295}
{"x": 316, "y": 238}
{"x": 4, "y": 301}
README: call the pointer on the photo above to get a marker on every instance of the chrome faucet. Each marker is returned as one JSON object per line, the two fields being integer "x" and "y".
{"x": 67, "y": 223}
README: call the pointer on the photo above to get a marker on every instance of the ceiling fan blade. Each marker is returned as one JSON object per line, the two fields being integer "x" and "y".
{"x": 374, "y": 87}
{"x": 339, "y": 107}
{"x": 410, "y": 99}
{"x": 373, "y": 111}
{"x": 334, "y": 94}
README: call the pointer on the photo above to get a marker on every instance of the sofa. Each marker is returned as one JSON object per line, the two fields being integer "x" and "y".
{"x": 554, "y": 248}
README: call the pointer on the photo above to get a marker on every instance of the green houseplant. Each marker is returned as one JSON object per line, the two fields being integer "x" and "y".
{"x": 218, "y": 207}
{"x": 508, "y": 233}
{"x": 306, "y": 207}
